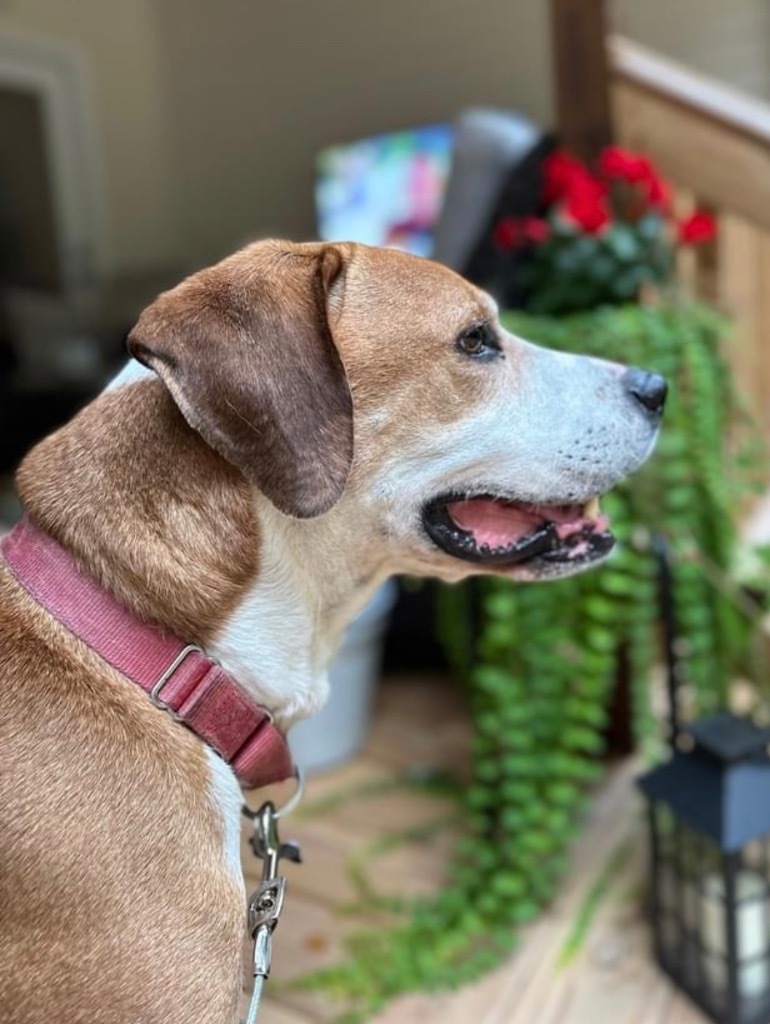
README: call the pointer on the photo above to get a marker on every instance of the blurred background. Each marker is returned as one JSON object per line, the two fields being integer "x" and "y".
{"x": 601, "y": 166}
{"x": 145, "y": 139}
{"x": 142, "y": 140}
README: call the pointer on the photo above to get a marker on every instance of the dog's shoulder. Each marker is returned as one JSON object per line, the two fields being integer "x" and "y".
{"x": 108, "y": 823}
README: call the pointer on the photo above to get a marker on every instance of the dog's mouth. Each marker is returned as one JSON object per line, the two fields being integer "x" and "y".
{"x": 496, "y": 532}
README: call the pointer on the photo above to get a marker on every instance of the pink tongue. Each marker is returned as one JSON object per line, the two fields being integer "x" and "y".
{"x": 498, "y": 525}
{"x": 492, "y": 523}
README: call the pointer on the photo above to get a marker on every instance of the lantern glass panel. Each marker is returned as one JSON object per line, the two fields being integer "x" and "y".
{"x": 716, "y": 950}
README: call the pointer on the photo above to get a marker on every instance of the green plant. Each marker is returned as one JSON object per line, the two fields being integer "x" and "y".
{"x": 544, "y": 658}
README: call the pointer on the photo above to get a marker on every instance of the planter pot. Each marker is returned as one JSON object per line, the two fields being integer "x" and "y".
{"x": 340, "y": 728}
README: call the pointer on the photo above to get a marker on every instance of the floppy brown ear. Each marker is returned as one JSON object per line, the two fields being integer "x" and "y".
{"x": 246, "y": 350}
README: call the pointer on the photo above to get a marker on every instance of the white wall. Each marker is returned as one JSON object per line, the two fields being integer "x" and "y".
{"x": 117, "y": 45}
{"x": 257, "y": 87}
{"x": 209, "y": 113}
{"x": 727, "y": 39}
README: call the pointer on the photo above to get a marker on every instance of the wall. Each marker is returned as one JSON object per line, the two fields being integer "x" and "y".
{"x": 30, "y": 228}
{"x": 209, "y": 115}
{"x": 726, "y": 39}
{"x": 257, "y": 87}
{"x": 117, "y": 46}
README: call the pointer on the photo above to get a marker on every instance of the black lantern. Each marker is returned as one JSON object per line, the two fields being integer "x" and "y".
{"x": 709, "y": 813}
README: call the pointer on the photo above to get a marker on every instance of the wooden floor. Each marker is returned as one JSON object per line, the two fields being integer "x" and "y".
{"x": 420, "y": 724}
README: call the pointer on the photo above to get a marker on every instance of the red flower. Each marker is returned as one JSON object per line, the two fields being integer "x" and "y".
{"x": 511, "y": 232}
{"x": 622, "y": 165}
{"x": 535, "y": 230}
{"x": 560, "y": 171}
{"x": 696, "y": 229}
{"x": 658, "y": 193}
{"x": 586, "y": 204}
{"x": 618, "y": 164}
{"x": 507, "y": 234}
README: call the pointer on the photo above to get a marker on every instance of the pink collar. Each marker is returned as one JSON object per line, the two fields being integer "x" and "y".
{"x": 178, "y": 677}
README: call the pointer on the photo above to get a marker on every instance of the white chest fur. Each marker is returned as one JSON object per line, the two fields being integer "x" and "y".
{"x": 227, "y": 798}
{"x": 267, "y": 644}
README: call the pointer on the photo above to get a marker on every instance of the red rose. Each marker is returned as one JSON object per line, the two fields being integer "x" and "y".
{"x": 535, "y": 230}
{"x": 696, "y": 229}
{"x": 512, "y": 232}
{"x": 586, "y": 204}
{"x": 618, "y": 164}
{"x": 623, "y": 165}
{"x": 560, "y": 171}
{"x": 658, "y": 193}
{"x": 507, "y": 234}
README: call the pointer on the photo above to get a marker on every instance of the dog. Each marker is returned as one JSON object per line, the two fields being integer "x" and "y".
{"x": 299, "y": 422}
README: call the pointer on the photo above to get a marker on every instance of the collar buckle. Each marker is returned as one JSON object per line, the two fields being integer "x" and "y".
{"x": 168, "y": 673}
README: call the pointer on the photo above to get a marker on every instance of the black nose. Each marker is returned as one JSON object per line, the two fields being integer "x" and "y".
{"x": 649, "y": 389}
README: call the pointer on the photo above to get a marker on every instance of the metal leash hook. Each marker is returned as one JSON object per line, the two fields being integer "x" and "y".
{"x": 267, "y": 901}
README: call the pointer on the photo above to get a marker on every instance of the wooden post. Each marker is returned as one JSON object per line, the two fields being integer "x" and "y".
{"x": 581, "y": 73}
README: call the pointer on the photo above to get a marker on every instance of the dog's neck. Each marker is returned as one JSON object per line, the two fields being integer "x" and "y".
{"x": 183, "y": 540}
{"x": 313, "y": 579}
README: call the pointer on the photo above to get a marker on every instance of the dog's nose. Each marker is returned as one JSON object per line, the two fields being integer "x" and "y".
{"x": 649, "y": 389}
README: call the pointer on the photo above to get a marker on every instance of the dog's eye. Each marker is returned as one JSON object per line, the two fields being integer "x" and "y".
{"x": 479, "y": 342}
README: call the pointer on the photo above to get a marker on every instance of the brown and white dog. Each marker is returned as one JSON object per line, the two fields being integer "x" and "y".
{"x": 315, "y": 419}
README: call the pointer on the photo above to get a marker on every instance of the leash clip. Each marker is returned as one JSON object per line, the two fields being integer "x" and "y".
{"x": 265, "y": 908}
{"x": 267, "y": 901}
{"x": 266, "y": 904}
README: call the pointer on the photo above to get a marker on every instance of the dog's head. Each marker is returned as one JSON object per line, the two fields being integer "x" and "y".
{"x": 362, "y": 382}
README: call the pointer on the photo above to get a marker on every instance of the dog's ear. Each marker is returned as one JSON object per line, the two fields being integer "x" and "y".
{"x": 247, "y": 352}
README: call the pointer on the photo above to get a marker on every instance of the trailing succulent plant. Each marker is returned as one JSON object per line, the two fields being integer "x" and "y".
{"x": 540, "y": 661}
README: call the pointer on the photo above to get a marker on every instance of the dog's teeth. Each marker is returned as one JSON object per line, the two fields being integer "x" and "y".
{"x": 592, "y": 509}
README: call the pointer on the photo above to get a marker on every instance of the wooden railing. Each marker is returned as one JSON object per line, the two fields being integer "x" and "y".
{"x": 714, "y": 144}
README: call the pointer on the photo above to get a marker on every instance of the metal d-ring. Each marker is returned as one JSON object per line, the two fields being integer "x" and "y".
{"x": 284, "y": 809}
{"x": 294, "y": 800}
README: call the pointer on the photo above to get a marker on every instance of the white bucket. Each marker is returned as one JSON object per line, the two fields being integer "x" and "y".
{"x": 340, "y": 728}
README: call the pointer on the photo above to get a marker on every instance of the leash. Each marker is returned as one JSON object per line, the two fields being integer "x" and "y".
{"x": 267, "y": 900}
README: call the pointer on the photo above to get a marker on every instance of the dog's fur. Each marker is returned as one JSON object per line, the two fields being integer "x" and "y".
{"x": 248, "y": 495}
